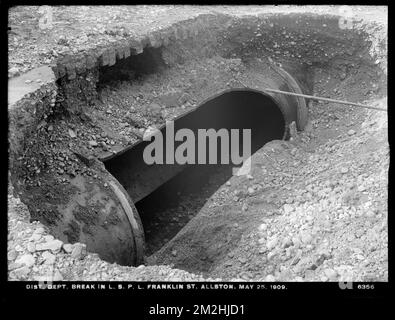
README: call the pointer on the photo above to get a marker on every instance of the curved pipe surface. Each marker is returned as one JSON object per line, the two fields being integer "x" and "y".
{"x": 232, "y": 109}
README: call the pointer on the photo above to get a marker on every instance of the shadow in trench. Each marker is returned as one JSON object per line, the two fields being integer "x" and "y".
{"x": 170, "y": 207}
{"x": 168, "y": 196}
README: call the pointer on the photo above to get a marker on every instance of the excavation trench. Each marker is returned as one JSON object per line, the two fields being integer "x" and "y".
{"x": 98, "y": 111}
{"x": 76, "y": 157}
{"x": 158, "y": 190}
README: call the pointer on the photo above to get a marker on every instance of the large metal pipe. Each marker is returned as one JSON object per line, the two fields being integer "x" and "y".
{"x": 237, "y": 109}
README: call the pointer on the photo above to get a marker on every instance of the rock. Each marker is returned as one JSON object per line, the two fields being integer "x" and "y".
{"x": 250, "y": 190}
{"x": 359, "y": 233}
{"x": 79, "y": 251}
{"x": 350, "y": 237}
{"x": 49, "y": 258}
{"x": 297, "y": 257}
{"x": 309, "y": 274}
{"x": 242, "y": 260}
{"x": 68, "y": 247}
{"x": 93, "y": 143}
{"x": 271, "y": 243}
{"x": 361, "y": 188}
{"x": 321, "y": 257}
{"x": 344, "y": 170}
{"x": 262, "y": 227}
{"x": 330, "y": 274}
{"x": 14, "y": 265}
{"x": 270, "y": 278}
{"x": 13, "y": 70}
{"x": 228, "y": 183}
{"x": 296, "y": 241}
{"x": 12, "y": 255}
{"x": 287, "y": 208}
{"x": 271, "y": 254}
{"x": 246, "y": 276}
{"x": 22, "y": 272}
{"x": 370, "y": 213}
{"x": 249, "y": 177}
{"x": 27, "y": 260}
{"x": 262, "y": 250}
{"x": 351, "y": 132}
{"x": 261, "y": 240}
{"x": 174, "y": 253}
{"x": 53, "y": 245}
{"x": 289, "y": 200}
{"x": 367, "y": 204}
{"x": 360, "y": 257}
{"x": 72, "y": 134}
{"x": 357, "y": 250}
{"x": 287, "y": 243}
{"x": 39, "y": 230}
{"x": 31, "y": 247}
{"x": 306, "y": 237}
{"x": 48, "y": 238}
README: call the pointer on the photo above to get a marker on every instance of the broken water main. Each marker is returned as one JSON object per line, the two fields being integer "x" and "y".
{"x": 127, "y": 130}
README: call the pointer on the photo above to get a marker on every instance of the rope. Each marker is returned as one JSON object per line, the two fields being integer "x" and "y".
{"x": 325, "y": 99}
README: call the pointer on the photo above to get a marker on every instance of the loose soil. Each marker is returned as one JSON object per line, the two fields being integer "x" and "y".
{"x": 313, "y": 209}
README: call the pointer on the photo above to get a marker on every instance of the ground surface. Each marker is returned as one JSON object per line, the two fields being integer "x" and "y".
{"x": 313, "y": 209}
{"x": 76, "y": 29}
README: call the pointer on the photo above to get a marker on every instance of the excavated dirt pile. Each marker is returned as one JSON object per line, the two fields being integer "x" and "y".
{"x": 313, "y": 208}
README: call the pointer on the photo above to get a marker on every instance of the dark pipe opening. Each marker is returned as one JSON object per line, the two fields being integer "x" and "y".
{"x": 168, "y": 196}
{"x": 133, "y": 68}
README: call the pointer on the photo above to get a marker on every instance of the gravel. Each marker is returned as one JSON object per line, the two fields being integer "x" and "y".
{"x": 327, "y": 221}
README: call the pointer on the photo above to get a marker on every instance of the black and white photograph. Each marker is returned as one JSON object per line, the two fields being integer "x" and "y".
{"x": 232, "y": 146}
